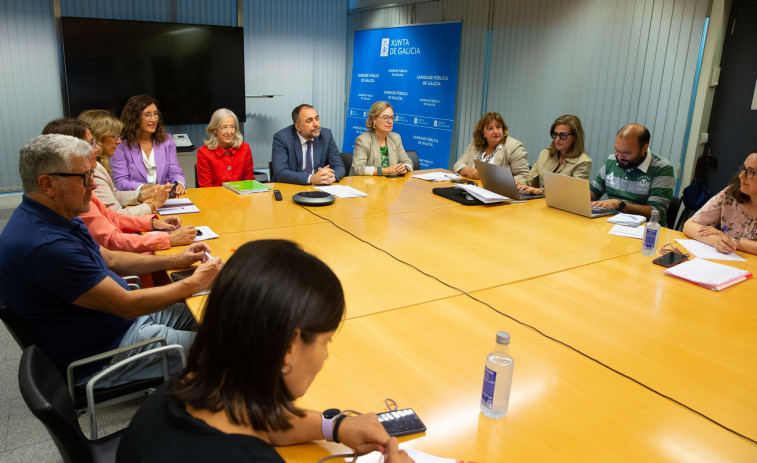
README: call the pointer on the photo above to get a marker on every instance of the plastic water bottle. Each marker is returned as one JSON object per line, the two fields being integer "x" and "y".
{"x": 651, "y": 233}
{"x": 498, "y": 376}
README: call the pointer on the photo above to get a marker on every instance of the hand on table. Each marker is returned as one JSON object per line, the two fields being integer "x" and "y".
{"x": 323, "y": 176}
{"x": 469, "y": 172}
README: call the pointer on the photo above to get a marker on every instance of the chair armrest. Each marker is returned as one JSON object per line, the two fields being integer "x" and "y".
{"x": 133, "y": 281}
{"x": 104, "y": 355}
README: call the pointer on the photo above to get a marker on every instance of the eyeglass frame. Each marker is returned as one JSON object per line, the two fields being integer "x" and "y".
{"x": 150, "y": 116}
{"x": 748, "y": 172}
{"x": 386, "y": 117}
{"x": 86, "y": 176}
{"x": 562, "y": 135}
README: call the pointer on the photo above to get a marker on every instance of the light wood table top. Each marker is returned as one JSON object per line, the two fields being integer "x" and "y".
{"x": 695, "y": 345}
{"x": 478, "y": 247}
{"x": 372, "y": 281}
{"x": 563, "y": 406}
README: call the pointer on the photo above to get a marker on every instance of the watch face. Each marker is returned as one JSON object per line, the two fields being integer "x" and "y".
{"x": 331, "y": 413}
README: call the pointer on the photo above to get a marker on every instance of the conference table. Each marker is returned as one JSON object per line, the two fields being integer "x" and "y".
{"x": 613, "y": 360}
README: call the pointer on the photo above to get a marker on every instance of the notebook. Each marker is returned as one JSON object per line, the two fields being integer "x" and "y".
{"x": 244, "y": 187}
{"x": 571, "y": 194}
{"x": 708, "y": 274}
{"x": 500, "y": 180}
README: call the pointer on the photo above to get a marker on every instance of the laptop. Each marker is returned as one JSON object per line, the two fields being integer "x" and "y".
{"x": 571, "y": 194}
{"x": 500, "y": 180}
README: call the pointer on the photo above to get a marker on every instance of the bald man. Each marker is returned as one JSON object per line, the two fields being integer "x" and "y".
{"x": 635, "y": 180}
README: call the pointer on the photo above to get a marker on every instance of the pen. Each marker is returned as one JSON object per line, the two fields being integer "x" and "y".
{"x": 209, "y": 256}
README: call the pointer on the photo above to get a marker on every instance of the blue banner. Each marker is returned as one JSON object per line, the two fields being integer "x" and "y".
{"x": 415, "y": 69}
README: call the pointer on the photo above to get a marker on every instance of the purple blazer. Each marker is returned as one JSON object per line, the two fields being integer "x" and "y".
{"x": 129, "y": 170}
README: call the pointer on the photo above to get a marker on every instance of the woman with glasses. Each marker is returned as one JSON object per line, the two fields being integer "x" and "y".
{"x": 565, "y": 155}
{"x": 379, "y": 151}
{"x": 492, "y": 144}
{"x": 147, "y": 154}
{"x": 106, "y": 130}
{"x": 728, "y": 221}
{"x": 264, "y": 337}
{"x": 225, "y": 157}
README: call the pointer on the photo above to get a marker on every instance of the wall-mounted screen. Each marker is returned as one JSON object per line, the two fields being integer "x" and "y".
{"x": 191, "y": 70}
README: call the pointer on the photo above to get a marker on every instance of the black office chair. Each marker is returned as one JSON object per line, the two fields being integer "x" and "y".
{"x": 102, "y": 397}
{"x": 413, "y": 155}
{"x": 197, "y": 184}
{"x": 672, "y": 214}
{"x": 347, "y": 161}
{"x": 45, "y": 393}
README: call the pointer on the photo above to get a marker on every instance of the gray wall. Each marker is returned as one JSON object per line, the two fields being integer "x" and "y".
{"x": 607, "y": 61}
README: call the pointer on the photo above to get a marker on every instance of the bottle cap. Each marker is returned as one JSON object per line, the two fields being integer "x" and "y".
{"x": 655, "y": 214}
{"x": 503, "y": 337}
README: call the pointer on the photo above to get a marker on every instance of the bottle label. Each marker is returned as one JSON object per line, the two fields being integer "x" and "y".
{"x": 487, "y": 392}
{"x": 650, "y": 238}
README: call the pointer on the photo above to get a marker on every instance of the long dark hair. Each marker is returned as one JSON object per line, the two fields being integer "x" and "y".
{"x": 131, "y": 117}
{"x": 265, "y": 292}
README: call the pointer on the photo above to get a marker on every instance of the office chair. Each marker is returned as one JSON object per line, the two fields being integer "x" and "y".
{"x": 46, "y": 396}
{"x": 101, "y": 397}
{"x": 347, "y": 161}
{"x": 197, "y": 184}
{"x": 672, "y": 214}
{"x": 413, "y": 155}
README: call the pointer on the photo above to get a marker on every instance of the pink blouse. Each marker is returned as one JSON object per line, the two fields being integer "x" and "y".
{"x": 722, "y": 210}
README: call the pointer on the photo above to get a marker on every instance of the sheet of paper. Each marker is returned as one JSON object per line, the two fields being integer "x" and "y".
{"x": 436, "y": 176}
{"x": 630, "y": 232}
{"x": 175, "y": 206}
{"x": 703, "y": 271}
{"x": 705, "y": 251}
{"x": 482, "y": 194}
{"x": 342, "y": 191}
{"x": 205, "y": 233}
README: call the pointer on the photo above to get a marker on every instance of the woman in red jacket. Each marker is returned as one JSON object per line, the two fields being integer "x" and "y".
{"x": 225, "y": 157}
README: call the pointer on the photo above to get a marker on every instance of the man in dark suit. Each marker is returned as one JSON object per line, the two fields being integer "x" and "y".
{"x": 304, "y": 153}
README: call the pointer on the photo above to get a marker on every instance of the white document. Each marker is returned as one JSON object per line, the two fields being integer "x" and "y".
{"x": 705, "y": 272}
{"x": 630, "y": 232}
{"x": 705, "y": 251}
{"x": 342, "y": 191}
{"x": 630, "y": 220}
{"x": 175, "y": 206}
{"x": 205, "y": 233}
{"x": 483, "y": 195}
{"x": 437, "y": 176}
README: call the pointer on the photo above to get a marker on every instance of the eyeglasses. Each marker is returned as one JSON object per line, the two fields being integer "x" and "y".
{"x": 87, "y": 176}
{"x": 748, "y": 172}
{"x": 562, "y": 135}
{"x": 148, "y": 116}
{"x": 386, "y": 118}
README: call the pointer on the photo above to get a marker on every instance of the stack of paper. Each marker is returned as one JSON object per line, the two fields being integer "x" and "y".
{"x": 483, "y": 195}
{"x": 629, "y": 220}
{"x": 177, "y": 206}
{"x": 708, "y": 274}
{"x": 342, "y": 191}
{"x": 436, "y": 176}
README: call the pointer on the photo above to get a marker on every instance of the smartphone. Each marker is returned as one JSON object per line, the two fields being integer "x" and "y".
{"x": 670, "y": 259}
{"x": 180, "y": 275}
{"x": 401, "y": 422}
{"x": 172, "y": 193}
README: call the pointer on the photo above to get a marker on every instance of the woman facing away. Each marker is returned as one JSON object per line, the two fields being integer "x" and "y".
{"x": 263, "y": 338}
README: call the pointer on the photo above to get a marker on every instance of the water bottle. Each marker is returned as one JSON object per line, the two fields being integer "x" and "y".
{"x": 498, "y": 375}
{"x": 651, "y": 233}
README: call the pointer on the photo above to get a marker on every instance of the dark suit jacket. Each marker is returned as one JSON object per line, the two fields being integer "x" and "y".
{"x": 286, "y": 156}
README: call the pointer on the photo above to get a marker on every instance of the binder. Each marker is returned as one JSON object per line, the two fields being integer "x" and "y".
{"x": 244, "y": 187}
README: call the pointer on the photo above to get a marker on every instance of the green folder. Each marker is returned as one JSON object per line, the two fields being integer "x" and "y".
{"x": 244, "y": 187}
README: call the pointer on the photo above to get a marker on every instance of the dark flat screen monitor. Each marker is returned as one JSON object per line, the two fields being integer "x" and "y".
{"x": 191, "y": 70}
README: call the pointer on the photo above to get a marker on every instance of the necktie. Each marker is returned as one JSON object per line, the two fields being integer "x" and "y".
{"x": 309, "y": 158}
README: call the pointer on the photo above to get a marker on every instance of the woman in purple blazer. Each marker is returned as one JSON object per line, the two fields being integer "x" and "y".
{"x": 147, "y": 154}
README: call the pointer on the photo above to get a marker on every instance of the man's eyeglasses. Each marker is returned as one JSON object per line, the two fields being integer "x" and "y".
{"x": 748, "y": 172}
{"x": 562, "y": 135}
{"x": 386, "y": 118}
{"x": 148, "y": 116}
{"x": 87, "y": 176}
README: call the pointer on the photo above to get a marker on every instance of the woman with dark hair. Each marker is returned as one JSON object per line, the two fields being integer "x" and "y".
{"x": 565, "y": 155}
{"x": 106, "y": 130}
{"x": 728, "y": 221}
{"x": 379, "y": 151}
{"x": 147, "y": 154}
{"x": 492, "y": 143}
{"x": 263, "y": 338}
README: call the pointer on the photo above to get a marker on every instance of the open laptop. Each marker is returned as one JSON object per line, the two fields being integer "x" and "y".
{"x": 500, "y": 180}
{"x": 571, "y": 194}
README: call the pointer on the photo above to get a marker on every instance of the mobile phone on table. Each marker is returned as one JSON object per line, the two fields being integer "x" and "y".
{"x": 670, "y": 259}
{"x": 401, "y": 422}
{"x": 180, "y": 275}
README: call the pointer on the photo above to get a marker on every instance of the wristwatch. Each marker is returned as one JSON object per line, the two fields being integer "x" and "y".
{"x": 622, "y": 206}
{"x": 328, "y": 418}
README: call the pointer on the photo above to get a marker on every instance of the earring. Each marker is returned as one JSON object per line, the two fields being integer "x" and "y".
{"x": 287, "y": 369}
